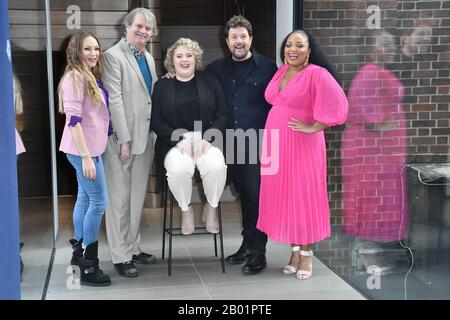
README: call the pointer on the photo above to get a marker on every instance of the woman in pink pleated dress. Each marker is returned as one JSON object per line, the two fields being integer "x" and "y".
{"x": 306, "y": 99}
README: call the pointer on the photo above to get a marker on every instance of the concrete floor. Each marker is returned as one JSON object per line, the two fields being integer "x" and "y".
{"x": 196, "y": 273}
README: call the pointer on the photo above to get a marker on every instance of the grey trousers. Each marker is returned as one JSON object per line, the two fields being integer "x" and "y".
{"x": 127, "y": 187}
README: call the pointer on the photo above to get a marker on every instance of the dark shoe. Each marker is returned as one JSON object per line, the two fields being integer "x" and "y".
{"x": 255, "y": 264}
{"x": 240, "y": 256}
{"x": 144, "y": 258}
{"x": 21, "y": 262}
{"x": 21, "y": 268}
{"x": 77, "y": 251}
{"x": 91, "y": 274}
{"x": 126, "y": 269}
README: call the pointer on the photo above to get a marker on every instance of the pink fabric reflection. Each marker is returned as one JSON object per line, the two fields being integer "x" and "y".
{"x": 374, "y": 149}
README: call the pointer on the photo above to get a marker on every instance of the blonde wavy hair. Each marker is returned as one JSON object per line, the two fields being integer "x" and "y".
{"x": 190, "y": 45}
{"x": 77, "y": 64}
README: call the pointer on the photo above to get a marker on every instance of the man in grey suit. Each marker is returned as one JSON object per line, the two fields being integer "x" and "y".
{"x": 129, "y": 75}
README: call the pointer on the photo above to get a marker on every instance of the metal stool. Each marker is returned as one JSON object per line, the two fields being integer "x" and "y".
{"x": 171, "y": 231}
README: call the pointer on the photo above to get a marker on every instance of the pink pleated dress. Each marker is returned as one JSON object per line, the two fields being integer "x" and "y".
{"x": 293, "y": 205}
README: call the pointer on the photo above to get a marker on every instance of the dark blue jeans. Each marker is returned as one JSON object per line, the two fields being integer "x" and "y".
{"x": 92, "y": 200}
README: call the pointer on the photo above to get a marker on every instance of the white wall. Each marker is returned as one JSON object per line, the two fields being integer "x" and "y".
{"x": 285, "y": 22}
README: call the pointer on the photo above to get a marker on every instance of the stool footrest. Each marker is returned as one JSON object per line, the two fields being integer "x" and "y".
{"x": 176, "y": 231}
{"x": 167, "y": 230}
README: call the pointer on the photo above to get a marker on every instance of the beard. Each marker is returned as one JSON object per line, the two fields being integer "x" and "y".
{"x": 241, "y": 55}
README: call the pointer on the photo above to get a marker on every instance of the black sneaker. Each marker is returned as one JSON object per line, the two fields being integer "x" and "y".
{"x": 144, "y": 258}
{"x": 126, "y": 269}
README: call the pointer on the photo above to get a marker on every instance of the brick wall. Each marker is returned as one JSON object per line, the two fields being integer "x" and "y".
{"x": 341, "y": 27}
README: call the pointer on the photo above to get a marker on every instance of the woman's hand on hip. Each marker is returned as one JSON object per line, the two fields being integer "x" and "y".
{"x": 297, "y": 125}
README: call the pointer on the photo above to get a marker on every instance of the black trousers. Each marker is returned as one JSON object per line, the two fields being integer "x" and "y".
{"x": 247, "y": 179}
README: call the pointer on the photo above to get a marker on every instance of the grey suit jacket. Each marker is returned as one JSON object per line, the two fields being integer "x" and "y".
{"x": 129, "y": 100}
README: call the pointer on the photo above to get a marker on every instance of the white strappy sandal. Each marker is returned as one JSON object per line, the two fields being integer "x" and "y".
{"x": 305, "y": 274}
{"x": 290, "y": 269}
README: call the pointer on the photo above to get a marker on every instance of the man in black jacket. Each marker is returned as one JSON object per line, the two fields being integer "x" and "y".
{"x": 244, "y": 76}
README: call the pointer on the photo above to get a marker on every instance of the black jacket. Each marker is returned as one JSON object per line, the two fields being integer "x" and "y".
{"x": 245, "y": 100}
{"x": 165, "y": 119}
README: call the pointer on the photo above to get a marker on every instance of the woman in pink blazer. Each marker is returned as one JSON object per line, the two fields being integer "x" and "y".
{"x": 84, "y": 101}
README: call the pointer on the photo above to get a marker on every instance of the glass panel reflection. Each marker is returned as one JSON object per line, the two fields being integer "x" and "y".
{"x": 27, "y": 27}
{"x": 388, "y": 166}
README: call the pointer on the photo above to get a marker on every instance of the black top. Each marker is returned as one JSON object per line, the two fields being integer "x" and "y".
{"x": 187, "y": 103}
{"x": 166, "y": 116}
{"x": 240, "y": 68}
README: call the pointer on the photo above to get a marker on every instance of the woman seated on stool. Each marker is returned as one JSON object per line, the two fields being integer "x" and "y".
{"x": 191, "y": 96}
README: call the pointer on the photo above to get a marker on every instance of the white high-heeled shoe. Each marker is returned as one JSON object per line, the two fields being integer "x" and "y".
{"x": 290, "y": 269}
{"x": 305, "y": 274}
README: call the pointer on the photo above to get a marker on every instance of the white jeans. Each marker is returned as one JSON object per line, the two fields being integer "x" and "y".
{"x": 180, "y": 170}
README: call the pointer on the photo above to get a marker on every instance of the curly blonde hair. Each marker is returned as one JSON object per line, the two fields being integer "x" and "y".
{"x": 76, "y": 63}
{"x": 190, "y": 45}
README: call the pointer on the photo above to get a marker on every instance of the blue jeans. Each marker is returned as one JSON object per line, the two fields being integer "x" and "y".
{"x": 92, "y": 200}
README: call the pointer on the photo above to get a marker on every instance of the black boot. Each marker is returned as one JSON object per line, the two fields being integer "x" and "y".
{"x": 77, "y": 251}
{"x": 239, "y": 256}
{"x": 91, "y": 275}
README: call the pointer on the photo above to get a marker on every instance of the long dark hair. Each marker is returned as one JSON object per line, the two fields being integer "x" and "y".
{"x": 317, "y": 56}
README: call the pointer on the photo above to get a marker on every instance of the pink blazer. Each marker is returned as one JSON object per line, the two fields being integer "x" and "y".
{"x": 93, "y": 119}
{"x": 20, "y": 148}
